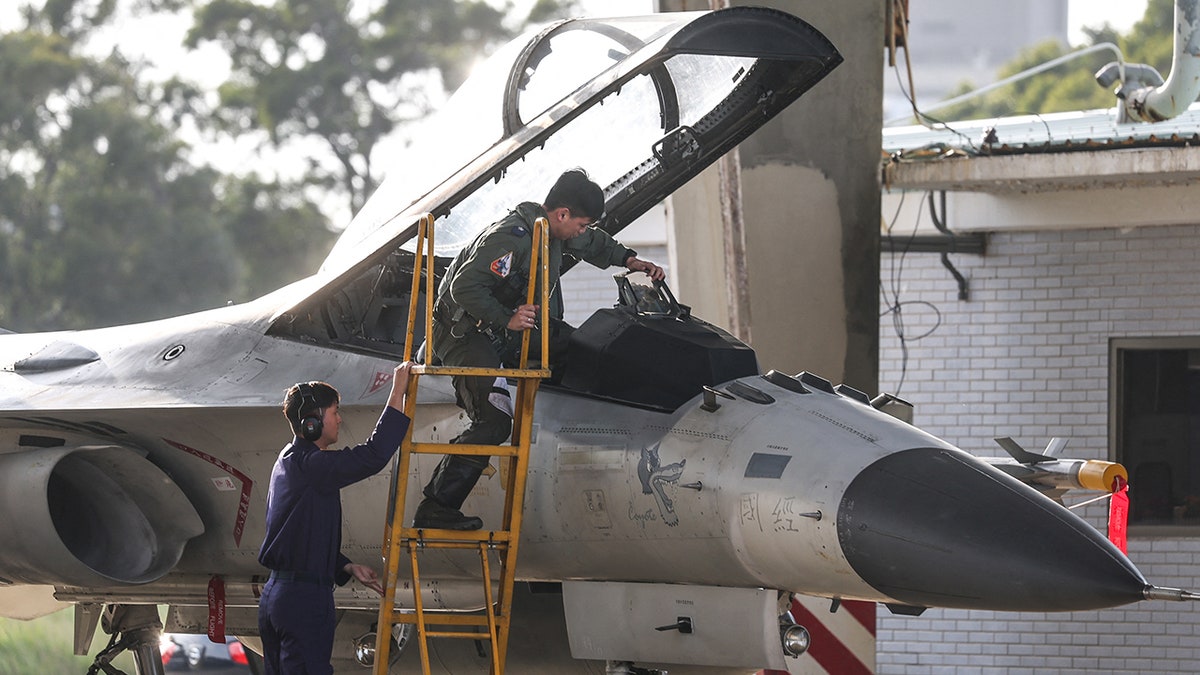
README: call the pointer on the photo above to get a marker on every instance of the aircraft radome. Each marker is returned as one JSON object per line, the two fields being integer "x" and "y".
{"x": 134, "y": 459}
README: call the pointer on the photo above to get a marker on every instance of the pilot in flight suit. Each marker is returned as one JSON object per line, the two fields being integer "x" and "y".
{"x": 304, "y": 524}
{"x": 479, "y": 314}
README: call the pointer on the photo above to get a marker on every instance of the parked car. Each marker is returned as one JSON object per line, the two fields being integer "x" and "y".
{"x": 188, "y": 652}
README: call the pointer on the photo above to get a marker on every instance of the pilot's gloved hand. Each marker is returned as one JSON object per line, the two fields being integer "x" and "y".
{"x": 653, "y": 271}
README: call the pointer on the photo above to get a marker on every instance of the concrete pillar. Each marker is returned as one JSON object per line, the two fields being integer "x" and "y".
{"x": 810, "y": 204}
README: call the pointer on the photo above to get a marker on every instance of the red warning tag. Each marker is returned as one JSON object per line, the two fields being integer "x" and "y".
{"x": 216, "y": 609}
{"x": 1118, "y": 513}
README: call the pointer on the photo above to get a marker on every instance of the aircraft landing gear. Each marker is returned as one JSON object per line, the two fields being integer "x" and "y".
{"x": 627, "y": 668}
{"x": 133, "y": 627}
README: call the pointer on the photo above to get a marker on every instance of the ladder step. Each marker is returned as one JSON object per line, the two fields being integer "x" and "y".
{"x": 436, "y": 618}
{"x": 511, "y": 373}
{"x": 465, "y": 449}
{"x": 449, "y": 634}
{"x": 434, "y": 538}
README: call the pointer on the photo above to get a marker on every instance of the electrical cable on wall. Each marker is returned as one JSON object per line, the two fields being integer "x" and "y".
{"x": 910, "y": 93}
{"x": 891, "y": 298}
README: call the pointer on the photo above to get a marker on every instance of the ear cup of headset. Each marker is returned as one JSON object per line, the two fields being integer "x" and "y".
{"x": 311, "y": 428}
{"x": 311, "y": 425}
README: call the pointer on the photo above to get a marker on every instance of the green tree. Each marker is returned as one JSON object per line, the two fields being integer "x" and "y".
{"x": 102, "y": 218}
{"x": 1071, "y": 85}
{"x": 272, "y": 222}
{"x": 94, "y": 193}
{"x": 325, "y": 70}
{"x": 105, "y": 216}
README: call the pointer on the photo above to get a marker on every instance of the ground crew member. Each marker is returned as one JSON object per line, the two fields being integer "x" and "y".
{"x": 304, "y": 524}
{"x": 479, "y": 315}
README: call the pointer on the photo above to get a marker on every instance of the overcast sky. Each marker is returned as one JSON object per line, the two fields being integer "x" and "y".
{"x": 159, "y": 38}
{"x": 1120, "y": 13}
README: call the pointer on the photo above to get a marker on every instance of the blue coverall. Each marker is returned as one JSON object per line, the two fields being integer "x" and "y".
{"x": 303, "y": 541}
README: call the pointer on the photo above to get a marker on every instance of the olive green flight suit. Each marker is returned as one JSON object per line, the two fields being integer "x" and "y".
{"x": 478, "y": 295}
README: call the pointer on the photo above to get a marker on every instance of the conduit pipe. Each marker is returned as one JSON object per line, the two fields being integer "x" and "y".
{"x": 1171, "y": 98}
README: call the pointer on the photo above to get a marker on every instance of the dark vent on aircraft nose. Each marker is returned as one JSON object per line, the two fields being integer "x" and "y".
{"x": 816, "y": 382}
{"x": 594, "y": 430}
{"x": 785, "y": 381}
{"x": 34, "y": 441}
{"x": 742, "y": 390}
{"x": 692, "y": 433}
{"x": 851, "y": 392}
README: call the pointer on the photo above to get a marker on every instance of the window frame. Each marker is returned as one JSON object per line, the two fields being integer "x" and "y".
{"x": 1116, "y": 427}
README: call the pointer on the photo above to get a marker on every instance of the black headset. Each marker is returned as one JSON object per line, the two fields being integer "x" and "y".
{"x": 311, "y": 426}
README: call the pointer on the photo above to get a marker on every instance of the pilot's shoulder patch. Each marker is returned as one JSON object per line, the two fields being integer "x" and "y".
{"x": 503, "y": 265}
{"x": 519, "y": 230}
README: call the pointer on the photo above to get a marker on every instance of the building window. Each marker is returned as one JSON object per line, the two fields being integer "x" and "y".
{"x": 1156, "y": 430}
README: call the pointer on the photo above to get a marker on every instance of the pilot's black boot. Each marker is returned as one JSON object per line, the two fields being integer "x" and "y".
{"x": 447, "y": 490}
{"x": 433, "y": 515}
{"x": 456, "y": 475}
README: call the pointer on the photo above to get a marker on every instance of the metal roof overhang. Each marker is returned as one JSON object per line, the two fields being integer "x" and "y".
{"x": 1049, "y": 171}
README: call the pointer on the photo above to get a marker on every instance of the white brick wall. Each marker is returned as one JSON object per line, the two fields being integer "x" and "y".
{"x": 1027, "y": 356}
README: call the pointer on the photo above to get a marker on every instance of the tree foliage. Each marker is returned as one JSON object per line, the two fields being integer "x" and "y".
{"x": 102, "y": 218}
{"x": 1072, "y": 85}
{"x": 105, "y": 217}
{"x": 87, "y": 179}
{"x": 344, "y": 73}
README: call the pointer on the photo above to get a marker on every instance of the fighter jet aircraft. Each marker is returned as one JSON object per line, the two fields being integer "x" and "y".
{"x": 678, "y": 491}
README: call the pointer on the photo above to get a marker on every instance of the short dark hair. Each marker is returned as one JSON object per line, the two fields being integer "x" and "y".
{"x": 577, "y": 192}
{"x": 316, "y": 396}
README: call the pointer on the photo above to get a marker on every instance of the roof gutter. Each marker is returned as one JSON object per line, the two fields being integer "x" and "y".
{"x": 1146, "y": 97}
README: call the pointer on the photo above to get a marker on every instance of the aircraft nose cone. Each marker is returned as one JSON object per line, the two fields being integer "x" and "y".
{"x": 937, "y": 527}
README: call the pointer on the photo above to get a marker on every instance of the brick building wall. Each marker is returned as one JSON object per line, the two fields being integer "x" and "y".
{"x": 1027, "y": 356}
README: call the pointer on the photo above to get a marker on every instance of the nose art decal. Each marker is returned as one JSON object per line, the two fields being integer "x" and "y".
{"x": 653, "y": 476}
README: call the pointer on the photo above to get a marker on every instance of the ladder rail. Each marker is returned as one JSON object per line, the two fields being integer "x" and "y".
{"x": 498, "y": 606}
{"x": 391, "y": 542}
{"x": 400, "y": 462}
{"x": 514, "y": 498}
{"x": 400, "y": 465}
{"x": 489, "y": 609}
{"x": 419, "y": 610}
{"x": 539, "y": 266}
{"x": 424, "y": 240}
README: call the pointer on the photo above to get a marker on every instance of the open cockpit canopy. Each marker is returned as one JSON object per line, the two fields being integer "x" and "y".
{"x": 643, "y": 104}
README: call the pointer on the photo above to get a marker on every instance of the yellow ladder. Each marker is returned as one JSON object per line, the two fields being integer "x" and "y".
{"x": 497, "y": 610}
